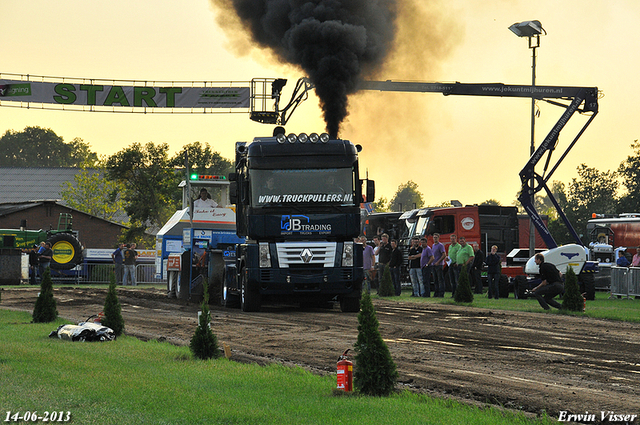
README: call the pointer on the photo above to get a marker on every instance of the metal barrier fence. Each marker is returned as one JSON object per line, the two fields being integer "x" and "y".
{"x": 625, "y": 281}
{"x": 101, "y": 273}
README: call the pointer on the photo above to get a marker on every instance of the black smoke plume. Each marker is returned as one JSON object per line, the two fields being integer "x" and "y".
{"x": 336, "y": 42}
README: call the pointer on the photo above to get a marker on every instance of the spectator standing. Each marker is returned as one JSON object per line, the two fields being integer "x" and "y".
{"x": 622, "y": 260}
{"x": 33, "y": 265}
{"x": 384, "y": 255}
{"x": 476, "y": 268}
{"x": 415, "y": 274}
{"x": 550, "y": 286}
{"x": 465, "y": 257}
{"x": 368, "y": 261}
{"x": 376, "y": 275}
{"x": 426, "y": 266}
{"x": 439, "y": 255}
{"x": 44, "y": 259}
{"x": 454, "y": 270}
{"x": 493, "y": 272}
{"x": 635, "y": 262}
{"x": 395, "y": 262}
{"x": 118, "y": 259}
{"x": 130, "y": 257}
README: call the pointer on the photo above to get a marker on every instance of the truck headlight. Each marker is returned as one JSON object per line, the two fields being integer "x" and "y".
{"x": 347, "y": 254}
{"x": 265, "y": 256}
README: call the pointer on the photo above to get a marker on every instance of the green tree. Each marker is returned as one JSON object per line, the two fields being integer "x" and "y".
{"x": 204, "y": 343}
{"x": 202, "y": 160}
{"x": 386, "y": 285}
{"x": 150, "y": 185}
{"x": 629, "y": 171}
{"x": 94, "y": 194}
{"x": 381, "y": 205}
{"x": 572, "y": 299}
{"x": 81, "y": 154}
{"x": 463, "y": 292}
{"x": 406, "y": 197}
{"x": 112, "y": 309}
{"x": 42, "y": 147}
{"x": 491, "y": 202}
{"x": 375, "y": 372}
{"x": 593, "y": 191}
{"x": 45, "y": 310}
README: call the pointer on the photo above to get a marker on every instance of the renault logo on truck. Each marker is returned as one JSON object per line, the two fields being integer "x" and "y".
{"x": 306, "y": 255}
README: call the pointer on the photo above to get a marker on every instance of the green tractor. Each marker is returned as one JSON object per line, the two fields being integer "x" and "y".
{"x": 67, "y": 250}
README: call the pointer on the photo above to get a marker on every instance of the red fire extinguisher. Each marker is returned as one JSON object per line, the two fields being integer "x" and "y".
{"x": 345, "y": 373}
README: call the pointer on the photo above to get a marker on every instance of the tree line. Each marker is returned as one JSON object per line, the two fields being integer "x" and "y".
{"x": 140, "y": 180}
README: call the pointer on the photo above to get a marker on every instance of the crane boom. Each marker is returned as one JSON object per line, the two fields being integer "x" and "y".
{"x": 580, "y": 99}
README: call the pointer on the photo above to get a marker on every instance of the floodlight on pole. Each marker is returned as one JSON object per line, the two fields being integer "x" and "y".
{"x": 527, "y": 29}
{"x": 532, "y": 30}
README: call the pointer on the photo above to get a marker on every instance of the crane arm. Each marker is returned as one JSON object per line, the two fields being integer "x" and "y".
{"x": 580, "y": 99}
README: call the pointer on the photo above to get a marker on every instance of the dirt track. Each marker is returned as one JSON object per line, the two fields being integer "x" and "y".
{"x": 532, "y": 362}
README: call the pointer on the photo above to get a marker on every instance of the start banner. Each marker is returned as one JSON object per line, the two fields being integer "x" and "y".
{"x": 133, "y": 96}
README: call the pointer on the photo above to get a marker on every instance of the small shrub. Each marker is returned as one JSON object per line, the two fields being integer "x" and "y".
{"x": 112, "y": 310}
{"x": 45, "y": 310}
{"x": 375, "y": 372}
{"x": 572, "y": 299}
{"x": 204, "y": 343}
{"x": 386, "y": 284}
{"x": 463, "y": 291}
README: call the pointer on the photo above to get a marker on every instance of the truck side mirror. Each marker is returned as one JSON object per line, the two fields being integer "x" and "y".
{"x": 233, "y": 191}
{"x": 371, "y": 190}
{"x": 233, "y": 177}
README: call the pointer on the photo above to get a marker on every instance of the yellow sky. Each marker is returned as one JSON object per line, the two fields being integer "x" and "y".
{"x": 465, "y": 148}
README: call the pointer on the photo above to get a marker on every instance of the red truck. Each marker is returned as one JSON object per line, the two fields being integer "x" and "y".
{"x": 481, "y": 225}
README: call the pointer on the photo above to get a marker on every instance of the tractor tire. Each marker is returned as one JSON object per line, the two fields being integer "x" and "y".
{"x": 172, "y": 284}
{"x": 250, "y": 299}
{"x": 67, "y": 251}
{"x": 503, "y": 286}
{"x": 182, "y": 283}
{"x": 588, "y": 285}
{"x": 521, "y": 285}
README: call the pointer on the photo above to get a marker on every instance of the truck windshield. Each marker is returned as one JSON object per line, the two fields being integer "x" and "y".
{"x": 328, "y": 186}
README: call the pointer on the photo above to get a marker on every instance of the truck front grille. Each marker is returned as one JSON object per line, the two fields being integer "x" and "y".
{"x": 318, "y": 254}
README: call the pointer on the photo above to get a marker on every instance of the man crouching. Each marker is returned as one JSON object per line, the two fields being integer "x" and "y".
{"x": 550, "y": 286}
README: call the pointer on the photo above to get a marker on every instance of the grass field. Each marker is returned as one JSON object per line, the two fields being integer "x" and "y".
{"x": 602, "y": 307}
{"x": 129, "y": 381}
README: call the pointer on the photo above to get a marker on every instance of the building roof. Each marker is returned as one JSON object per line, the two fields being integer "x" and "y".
{"x": 29, "y": 185}
{"x": 11, "y": 208}
{"x": 22, "y": 184}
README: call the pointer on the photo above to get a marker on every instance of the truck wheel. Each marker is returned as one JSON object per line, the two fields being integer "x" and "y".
{"x": 350, "y": 304}
{"x": 588, "y": 285}
{"x": 216, "y": 273}
{"x": 249, "y": 298}
{"x": 228, "y": 299}
{"x": 172, "y": 283}
{"x": 67, "y": 251}
{"x": 520, "y": 286}
{"x": 503, "y": 286}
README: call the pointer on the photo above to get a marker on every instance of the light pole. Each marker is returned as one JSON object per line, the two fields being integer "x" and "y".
{"x": 532, "y": 30}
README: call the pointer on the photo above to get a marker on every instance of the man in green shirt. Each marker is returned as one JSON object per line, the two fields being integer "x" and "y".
{"x": 465, "y": 254}
{"x": 454, "y": 270}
